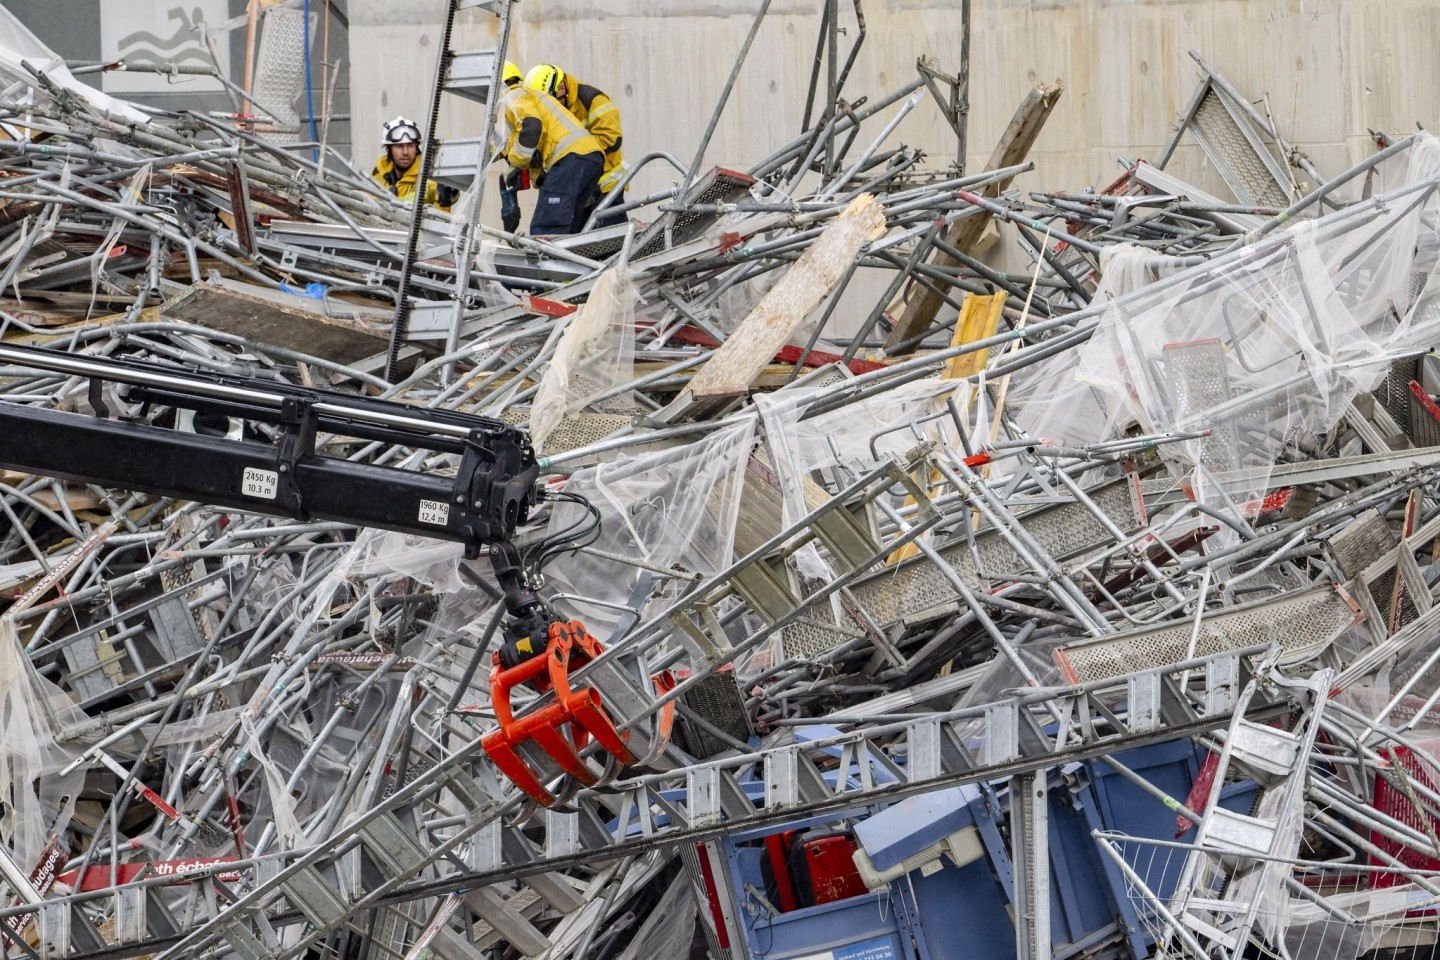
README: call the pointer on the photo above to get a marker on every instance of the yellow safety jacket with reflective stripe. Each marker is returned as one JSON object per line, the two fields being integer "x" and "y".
{"x": 598, "y": 114}
{"x": 542, "y": 131}
{"x": 402, "y": 183}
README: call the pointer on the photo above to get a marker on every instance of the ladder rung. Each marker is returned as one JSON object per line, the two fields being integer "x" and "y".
{"x": 316, "y": 898}
{"x": 392, "y": 846}
{"x": 505, "y": 917}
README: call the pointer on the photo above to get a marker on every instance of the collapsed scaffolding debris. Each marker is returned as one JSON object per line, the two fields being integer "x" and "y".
{"x": 1107, "y": 630}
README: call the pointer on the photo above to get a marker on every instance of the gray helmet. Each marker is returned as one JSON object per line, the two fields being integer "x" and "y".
{"x": 401, "y": 130}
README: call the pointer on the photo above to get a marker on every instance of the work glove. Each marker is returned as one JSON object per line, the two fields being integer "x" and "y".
{"x": 446, "y": 196}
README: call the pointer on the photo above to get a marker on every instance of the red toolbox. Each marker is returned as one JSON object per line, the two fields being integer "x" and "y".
{"x": 824, "y": 869}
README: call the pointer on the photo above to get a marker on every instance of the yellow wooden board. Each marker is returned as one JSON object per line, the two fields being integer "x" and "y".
{"x": 979, "y": 318}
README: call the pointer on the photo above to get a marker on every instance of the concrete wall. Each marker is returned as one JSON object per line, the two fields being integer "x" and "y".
{"x": 1330, "y": 69}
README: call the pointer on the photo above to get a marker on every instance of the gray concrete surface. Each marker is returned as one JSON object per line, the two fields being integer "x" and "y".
{"x": 1329, "y": 69}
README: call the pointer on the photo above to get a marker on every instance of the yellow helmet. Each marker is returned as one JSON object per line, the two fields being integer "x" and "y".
{"x": 512, "y": 74}
{"x": 546, "y": 78}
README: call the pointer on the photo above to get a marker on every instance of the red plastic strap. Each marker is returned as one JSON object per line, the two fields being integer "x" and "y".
{"x": 696, "y": 337}
{"x": 1199, "y": 792}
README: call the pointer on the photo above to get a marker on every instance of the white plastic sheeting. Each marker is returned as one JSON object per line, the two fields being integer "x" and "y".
{"x": 859, "y": 436}
{"x": 1264, "y": 349}
{"x": 672, "y": 508}
{"x": 492, "y": 293}
{"x": 36, "y": 800}
{"x": 596, "y": 352}
{"x": 18, "y": 44}
{"x": 433, "y": 563}
{"x": 670, "y": 928}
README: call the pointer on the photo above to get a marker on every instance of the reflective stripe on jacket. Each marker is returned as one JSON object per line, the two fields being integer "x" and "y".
{"x": 542, "y": 131}
{"x": 598, "y": 114}
{"x": 401, "y": 183}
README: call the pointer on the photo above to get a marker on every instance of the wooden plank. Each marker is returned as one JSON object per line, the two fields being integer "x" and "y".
{"x": 979, "y": 321}
{"x": 76, "y": 497}
{"x": 744, "y": 355}
{"x": 979, "y": 318}
{"x": 1014, "y": 145}
{"x": 352, "y": 332}
{"x": 46, "y": 308}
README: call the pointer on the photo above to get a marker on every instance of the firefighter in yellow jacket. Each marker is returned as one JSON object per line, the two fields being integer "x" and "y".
{"x": 543, "y": 137}
{"x": 597, "y": 113}
{"x": 399, "y": 169}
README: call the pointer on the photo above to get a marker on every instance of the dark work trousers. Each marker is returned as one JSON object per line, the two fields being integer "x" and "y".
{"x": 567, "y": 195}
{"x": 608, "y": 217}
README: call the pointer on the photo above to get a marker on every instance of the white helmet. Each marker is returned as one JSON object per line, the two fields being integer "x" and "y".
{"x": 401, "y": 130}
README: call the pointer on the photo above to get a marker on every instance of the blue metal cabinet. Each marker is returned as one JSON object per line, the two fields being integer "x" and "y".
{"x": 868, "y": 927}
{"x": 963, "y": 911}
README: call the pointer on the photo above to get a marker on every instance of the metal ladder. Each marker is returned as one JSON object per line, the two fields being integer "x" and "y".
{"x": 467, "y": 783}
{"x": 384, "y": 866}
{"x": 1031, "y": 731}
{"x": 761, "y": 581}
{"x": 459, "y": 73}
{"x": 1233, "y": 136}
{"x": 1238, "y": 861}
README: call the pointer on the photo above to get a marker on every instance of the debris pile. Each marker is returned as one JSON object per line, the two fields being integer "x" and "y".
{"x": 1108, "y": 629}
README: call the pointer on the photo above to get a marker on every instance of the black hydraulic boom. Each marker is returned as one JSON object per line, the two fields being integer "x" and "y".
{"x": 481, "y": 505}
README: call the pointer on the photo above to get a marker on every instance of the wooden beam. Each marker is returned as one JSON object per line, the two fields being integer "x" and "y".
{"x": 978, "y": 321}
{"x": 735, "y": 365}
{"x": 1014, "y": 146}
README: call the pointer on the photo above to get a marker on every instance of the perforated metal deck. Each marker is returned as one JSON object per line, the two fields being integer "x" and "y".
{"x": 1199, "y": 383}
{"x": 1235, "y": 151}
{"x": 916, "y": 589}
{"x": 575, "y": 431}
{"x": 716, "y": 699}
{"x": 717, "y": 186}
{"x": 1302, "y": 623}
{"x": 280, "y": 68}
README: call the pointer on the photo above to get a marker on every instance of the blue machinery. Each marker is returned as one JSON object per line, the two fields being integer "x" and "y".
{"x": 939, "y": 879}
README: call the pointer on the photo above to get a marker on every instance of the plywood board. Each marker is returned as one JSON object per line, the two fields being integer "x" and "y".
{"x": 347, "y": 334}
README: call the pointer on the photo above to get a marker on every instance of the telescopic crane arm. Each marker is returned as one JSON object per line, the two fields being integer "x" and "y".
{"x": 480, "y": 506}
{"x": 275, "y": 468}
